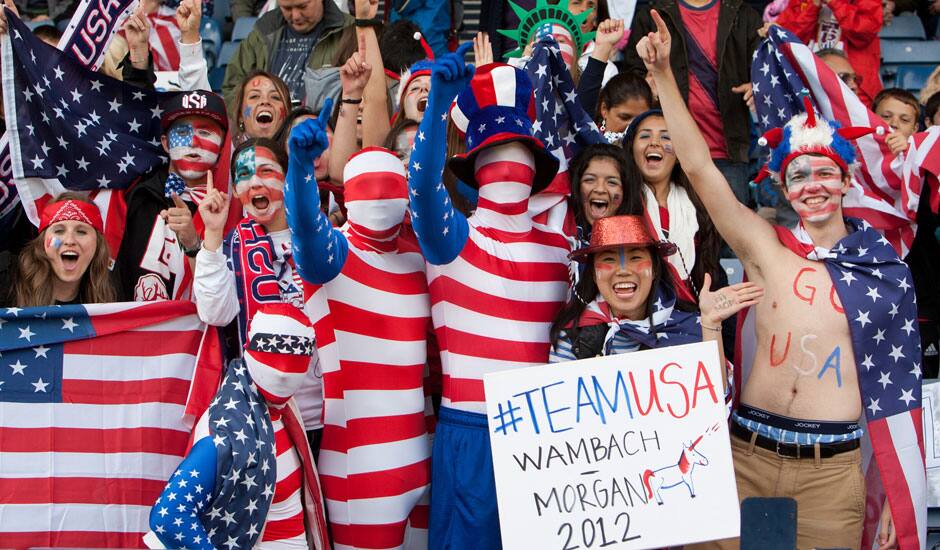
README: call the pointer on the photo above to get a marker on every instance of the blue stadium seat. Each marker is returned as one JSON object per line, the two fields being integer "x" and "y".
{"x": 905, "y": 26}
{"x": 228, "y": 50}
{"x": 221, "y": 11}
{"x": 243, "y": 27}
{"x": 211, "y": 34}
{"x": 216, "y": 76}
{"x": 913, "y": 77}
{"x": 896, "y": 53}
{"x": 733, "y": 269}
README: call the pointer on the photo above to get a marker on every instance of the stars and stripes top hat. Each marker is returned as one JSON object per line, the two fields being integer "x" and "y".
{"x": 498, "y": 107}
{"x": 618, "y": 231}
{"x": 805, "y": 134}
{"x": 278, "y": 349}
{"x": 197, "y": 102}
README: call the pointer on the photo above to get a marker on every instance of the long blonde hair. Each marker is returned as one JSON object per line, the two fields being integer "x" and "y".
{"x": 35, "y": 278}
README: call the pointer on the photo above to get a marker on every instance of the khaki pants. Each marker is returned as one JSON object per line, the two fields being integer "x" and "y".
{"x": 829, "y": 493}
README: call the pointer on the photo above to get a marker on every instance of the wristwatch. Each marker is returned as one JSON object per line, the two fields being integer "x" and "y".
{"x": 368, "y": 22}
{"x": 191, "y": 252}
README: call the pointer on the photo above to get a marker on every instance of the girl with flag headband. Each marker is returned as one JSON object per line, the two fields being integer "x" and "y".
{"x": 834, "y": 288}
{"x": 68, "y": 261}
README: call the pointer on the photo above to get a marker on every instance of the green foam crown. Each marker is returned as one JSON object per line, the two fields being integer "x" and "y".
{"x": 545, "y": 13}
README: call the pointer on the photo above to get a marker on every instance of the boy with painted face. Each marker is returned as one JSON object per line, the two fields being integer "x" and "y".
{"x": 372, "y": 314}
{"x": 254, "y": 265}
{"x": 249, "y": 480}
{"x": 832, "y": 349}
{"x": 161, "y": 229}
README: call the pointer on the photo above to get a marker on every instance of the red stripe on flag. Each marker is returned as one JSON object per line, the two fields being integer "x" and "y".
{"x": 384, "y": 429}
{"x": 391, "y": 482}
{"x": 87, "y": 440}
{"x": 514, "y": 310}
{"x": 131, "y": 392}
{"x": 377, "y": 325}
{"x": 376, "y": 376}
{"x": 393, "y": 283}
{"x": 73, "y": 539}
{"x": 141, "y": 316}
{"x": 463, "y": 389}
{"x": 137, "y": 344}
{"x": 281, "y": 529}
{"x": 474, "y": 345}
{"x": 420, "y": 516}
{"x": 80, "y": 490}
{"x": 894, "y": 480}
{"x": 369, "y": 536}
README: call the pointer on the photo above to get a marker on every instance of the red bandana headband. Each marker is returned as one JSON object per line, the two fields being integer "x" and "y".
{"x": 71, "y": 210}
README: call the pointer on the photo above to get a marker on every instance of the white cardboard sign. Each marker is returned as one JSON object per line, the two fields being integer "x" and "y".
{"x": 625, "y": 451}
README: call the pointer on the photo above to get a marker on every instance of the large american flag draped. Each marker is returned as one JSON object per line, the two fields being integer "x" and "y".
{"x": 560, "y": 121}
{"x": 885, "y": 191}
{"x": 94, "y": 417}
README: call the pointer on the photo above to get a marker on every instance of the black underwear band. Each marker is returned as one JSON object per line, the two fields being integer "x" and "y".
{"x": 796, "y": 424}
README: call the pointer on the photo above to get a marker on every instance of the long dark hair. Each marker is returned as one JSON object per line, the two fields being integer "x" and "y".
{"x": 632, "y": 201}
{"x": 708, "y": 242}
{"x": 586, "y": 291}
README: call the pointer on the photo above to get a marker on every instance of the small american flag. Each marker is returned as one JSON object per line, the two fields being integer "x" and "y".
{"x": 560, "y": 121}
{"x": 885, "y": 190}
{"x": 93, "y": 418}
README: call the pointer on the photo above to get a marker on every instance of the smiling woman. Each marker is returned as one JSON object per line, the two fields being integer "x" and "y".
{"x": 601, "y": 186}
{"x": 264, "y": 101}
{"x": 68, "y": 262}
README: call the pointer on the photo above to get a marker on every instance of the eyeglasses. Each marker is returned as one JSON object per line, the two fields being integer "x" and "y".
{"x": 849, "y": 78}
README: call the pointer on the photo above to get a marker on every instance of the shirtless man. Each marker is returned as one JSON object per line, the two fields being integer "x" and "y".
{"x": 796, "y": 432}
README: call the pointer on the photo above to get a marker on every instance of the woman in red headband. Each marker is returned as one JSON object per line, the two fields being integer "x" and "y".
{"x": 68, "y": 262}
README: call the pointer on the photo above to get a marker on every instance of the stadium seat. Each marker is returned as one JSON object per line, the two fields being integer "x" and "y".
{"x": 242, "y": 28}
{"x": 905, "y": 26}
{"x": 733, "y": 269}
{"x": 211, "y": 34}
{"x": 225, "y": 55}
{"x": 913, "y": 77}
{"x": 896, "y": 53}
{"x": 216, "y": 76}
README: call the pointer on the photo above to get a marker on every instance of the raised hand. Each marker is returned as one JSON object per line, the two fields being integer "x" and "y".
{"x": 654, "y": 48}
{"x": 450, "y": 73}
{"x": 896, "y": 142}
{"x": 355, "y": 73}
{"x": 482, "y": 49}
{"x": 137, "y": 33}
{"x": 189, "y": 17}
{"x": 3, "y": 18}
{"x": 718, "y": 305}
{"x": 214, "y": 209}
{"x": 366, "y": 9}
{"x": 609, "y": 33}
{"x": 180, "y": 220}
{"x": 309, "y": 139}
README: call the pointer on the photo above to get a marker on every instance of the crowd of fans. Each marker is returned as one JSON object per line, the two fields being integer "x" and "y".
{"x": 412, "y": 246}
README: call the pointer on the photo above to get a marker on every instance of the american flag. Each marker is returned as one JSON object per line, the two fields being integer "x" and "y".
{"x": 94, "y": 417}
{"x": 73, "y": 127}
{"x": 560, "y": 121}
{"x": 885, "y": 190}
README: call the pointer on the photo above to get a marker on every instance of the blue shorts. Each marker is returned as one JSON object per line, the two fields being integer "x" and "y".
{"x": 463, "y": 492}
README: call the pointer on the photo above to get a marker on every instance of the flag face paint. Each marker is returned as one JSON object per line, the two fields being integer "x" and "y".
{"x": 814, "y": 187}
{"x": 194, "y": 147}
{"x": 259, "y": 183}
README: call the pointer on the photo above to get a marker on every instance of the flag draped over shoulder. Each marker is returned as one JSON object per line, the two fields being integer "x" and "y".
{"x": 561, "y": 124}
{"x": 94, "y": 417}
{"x": 886, "y": 190}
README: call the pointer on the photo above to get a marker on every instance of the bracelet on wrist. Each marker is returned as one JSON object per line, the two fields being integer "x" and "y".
{"x": 351, "y": 101}
{"x": 712, "y": 328}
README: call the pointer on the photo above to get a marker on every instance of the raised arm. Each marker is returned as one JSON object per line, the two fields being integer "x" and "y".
{"x": 442, "y": 231}
{"x": 375, "y": 115}
{"x": 353, "y": 76}
{"x": 319, "y": 248}
{"x": 193, "y": 71}
{"x": 744, "y": 230}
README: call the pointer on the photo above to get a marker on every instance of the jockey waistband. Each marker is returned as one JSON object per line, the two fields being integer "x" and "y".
{"x": 794, "y": 430}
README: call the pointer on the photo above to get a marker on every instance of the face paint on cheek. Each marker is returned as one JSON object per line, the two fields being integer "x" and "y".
{"x": 667, "y": 147}
{"x": 246, "y": 114}
{"x": 54, "y": 242}
{"x": 645, "y": 267}
{"x": 602, "y": 267}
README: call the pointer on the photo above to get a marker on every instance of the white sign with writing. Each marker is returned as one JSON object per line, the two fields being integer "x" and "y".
{"x": 625, "y": 451}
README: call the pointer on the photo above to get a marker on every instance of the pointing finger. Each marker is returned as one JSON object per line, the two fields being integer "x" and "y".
{"x": 661, "y": 28}
{"x": 327, "y": 110}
